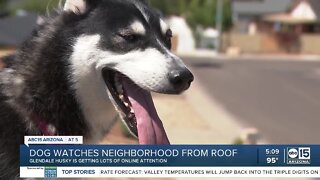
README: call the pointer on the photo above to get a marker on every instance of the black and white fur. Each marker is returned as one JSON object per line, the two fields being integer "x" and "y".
{"x": 57, "y": 72}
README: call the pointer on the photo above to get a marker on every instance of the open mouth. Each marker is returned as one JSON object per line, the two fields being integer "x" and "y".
{"x": 136, "y": 108}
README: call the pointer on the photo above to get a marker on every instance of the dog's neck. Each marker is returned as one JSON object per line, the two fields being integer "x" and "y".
{"x": 40, "y": 79}
{"x": 53, "y": 87}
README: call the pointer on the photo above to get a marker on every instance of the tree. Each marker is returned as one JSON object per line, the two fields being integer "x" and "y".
{"x": 197, "y": 12}
{"x": 38, "y": 6}
{"x": 3, "y": 4}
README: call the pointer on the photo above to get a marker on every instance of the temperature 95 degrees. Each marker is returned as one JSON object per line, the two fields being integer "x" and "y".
{"x": 272, "y": 160}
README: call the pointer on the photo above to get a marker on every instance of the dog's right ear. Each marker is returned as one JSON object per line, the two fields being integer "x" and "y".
{"x": 79, "y": 6}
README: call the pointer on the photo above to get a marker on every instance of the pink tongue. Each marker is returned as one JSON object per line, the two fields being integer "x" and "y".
{"x": 150, "y": 127}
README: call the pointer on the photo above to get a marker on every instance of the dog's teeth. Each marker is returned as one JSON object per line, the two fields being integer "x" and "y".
{"x": 126, "y": 104}
{"x": 131, "y": 111}
{"x": 121, "y": 97}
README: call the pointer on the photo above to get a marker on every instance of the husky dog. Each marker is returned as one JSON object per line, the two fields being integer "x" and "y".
{"x": 78, "y": 65}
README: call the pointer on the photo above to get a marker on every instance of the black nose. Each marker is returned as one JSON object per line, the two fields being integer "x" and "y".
{"x": 181, "y": 79}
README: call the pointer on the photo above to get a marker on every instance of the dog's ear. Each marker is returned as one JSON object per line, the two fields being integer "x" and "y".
{"x": 79, "y": 6}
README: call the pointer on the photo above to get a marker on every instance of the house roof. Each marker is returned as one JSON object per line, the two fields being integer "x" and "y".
{"x": 261, "y": 7}
{"x": 300, "y": 17}
{"x": 315, "y": 4}
{"x": 14, "y": 30}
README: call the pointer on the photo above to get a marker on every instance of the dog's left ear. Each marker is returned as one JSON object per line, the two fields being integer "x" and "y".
{"x": 79, "y": 6}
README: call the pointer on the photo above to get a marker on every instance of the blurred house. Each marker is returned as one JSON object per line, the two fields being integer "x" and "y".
{"x": 247, "y": 14}
{"x": 276, "y": 26}
{"x": 14, "y": 30}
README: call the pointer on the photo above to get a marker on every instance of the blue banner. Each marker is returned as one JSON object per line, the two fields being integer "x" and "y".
{"x": 173, "y": 155}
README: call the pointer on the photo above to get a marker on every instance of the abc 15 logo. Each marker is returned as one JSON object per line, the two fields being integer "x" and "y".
{"x": 301, "y": 153}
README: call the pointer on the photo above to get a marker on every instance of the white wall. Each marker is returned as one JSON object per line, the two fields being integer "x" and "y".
{"x": 182, "y": 30}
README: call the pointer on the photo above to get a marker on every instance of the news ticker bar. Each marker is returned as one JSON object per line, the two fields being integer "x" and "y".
{"x": 167, "y": 172}
{"x": 170, "y": 156}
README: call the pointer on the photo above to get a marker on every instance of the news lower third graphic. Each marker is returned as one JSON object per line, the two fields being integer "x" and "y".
{"x": 66, "y": 158}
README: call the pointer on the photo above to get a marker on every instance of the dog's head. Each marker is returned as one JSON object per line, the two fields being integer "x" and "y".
{"x": 127, "y": 46}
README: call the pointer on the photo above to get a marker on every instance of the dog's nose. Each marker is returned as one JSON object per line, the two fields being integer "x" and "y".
{"x": 181, "y": 79}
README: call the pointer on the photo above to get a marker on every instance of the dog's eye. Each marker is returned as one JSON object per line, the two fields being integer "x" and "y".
{"x": 130, "y": 37}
